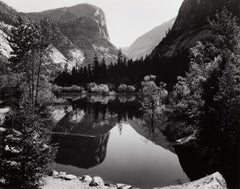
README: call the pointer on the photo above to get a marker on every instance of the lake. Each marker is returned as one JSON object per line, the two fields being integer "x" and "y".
{"x": 106, "y": 136}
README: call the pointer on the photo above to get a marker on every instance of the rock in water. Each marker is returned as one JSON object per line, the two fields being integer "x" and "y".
{"x": 70, "y": 177}
{"x": 97, "y": 181}
{"x": 86, "y": 179}
{"x": 62, "y": 175}
{"x": 214, "y": 181}
{"x": 123, "y": 186}
{"x": 55, "y": 174}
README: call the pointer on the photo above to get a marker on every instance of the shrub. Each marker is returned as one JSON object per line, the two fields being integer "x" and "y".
{"x": 126, "y": 88}
{"x": 94, "y": 88}
{"x": 73, "y": 88}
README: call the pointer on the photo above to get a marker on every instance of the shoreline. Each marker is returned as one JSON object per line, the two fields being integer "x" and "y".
{"x": 62, "y": 180}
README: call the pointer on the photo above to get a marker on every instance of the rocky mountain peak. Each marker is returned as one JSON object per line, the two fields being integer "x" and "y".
{"x": 81, "y": 33}
{"x": 191, "y": 25}
{"x": 72, "y": 14}
{"x": 194, "y": 13}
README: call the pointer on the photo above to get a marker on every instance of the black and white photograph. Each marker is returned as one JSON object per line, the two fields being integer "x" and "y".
{"x": 119, "y": 94}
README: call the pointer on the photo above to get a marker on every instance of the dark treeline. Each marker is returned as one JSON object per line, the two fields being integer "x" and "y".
{"x": 126, "y": 71}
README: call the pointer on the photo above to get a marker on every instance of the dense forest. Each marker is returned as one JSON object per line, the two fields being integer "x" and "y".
{"x": 126, "y": 71}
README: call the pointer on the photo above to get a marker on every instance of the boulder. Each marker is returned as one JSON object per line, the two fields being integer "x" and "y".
{"x": 62, "y": 175}
{"x": 214, "y": 181}
{"x": 112, "y": 186}
{"x": 86, "y": 178}
{"x": 55, "y": 174}
{"x": 70, "y": 177}
{"x": 123, "y": 186}
{"x": 97, "y": 181}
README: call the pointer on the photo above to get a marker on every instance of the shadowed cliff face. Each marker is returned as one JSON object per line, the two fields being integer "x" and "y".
{"x": 191, "y": 25}
{"x": 71, "y": 14}
{"x": 85, "y": 28}
{"x": 81, "y": 33}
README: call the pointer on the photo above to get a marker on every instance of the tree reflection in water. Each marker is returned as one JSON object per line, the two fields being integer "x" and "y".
{"x": 82, "y": 134}
{"x": 85, "y": 132}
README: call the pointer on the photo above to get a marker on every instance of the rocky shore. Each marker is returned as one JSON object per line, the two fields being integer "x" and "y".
{"x": 63, "y": 180}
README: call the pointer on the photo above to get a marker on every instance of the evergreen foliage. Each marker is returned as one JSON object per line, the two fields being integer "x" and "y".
{"x": 126, "y": 71}
{"x": 25, "y": 153}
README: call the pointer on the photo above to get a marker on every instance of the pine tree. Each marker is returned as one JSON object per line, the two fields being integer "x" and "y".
{"x": 96, "y": 71}
{"x": 120, "y": 57}
{"x": 25, "y": 152}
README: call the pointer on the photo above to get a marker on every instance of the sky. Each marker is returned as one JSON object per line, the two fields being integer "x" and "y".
{"x": 126, "y": 19}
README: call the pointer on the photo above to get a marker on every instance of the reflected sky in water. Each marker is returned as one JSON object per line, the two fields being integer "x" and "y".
{"x": 131, "y": 159}
{"x": 91, "y": 141}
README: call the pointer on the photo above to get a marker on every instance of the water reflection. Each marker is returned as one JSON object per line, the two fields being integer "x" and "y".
{"x": 107, "y": 136}
{"x": 112, "y": 141}
{"x": 81, "y": 151}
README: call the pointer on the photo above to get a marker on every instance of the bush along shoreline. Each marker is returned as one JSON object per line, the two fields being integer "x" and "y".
{"x": 93, "y": 88}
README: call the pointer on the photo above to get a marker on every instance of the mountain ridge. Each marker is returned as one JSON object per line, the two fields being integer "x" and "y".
{"x": 144, "y": 44}
{"x": 79, "y": 29}
{"x": 191, "y": 25}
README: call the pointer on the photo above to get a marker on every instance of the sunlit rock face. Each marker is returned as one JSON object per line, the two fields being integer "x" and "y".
{"x": 83, "y": 33}
{"x": 191, "y": 25}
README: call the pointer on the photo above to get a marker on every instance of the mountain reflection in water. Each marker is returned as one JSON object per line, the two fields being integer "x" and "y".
{"x": 107, "y": 136}
{"x": 110, "y": 140}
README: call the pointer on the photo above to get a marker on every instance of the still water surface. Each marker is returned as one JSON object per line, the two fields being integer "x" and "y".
{"x": 108, "y": 138}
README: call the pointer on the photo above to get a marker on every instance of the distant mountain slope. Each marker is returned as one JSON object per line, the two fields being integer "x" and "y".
{"x": 81, "y": 33}
{"x": 146, "y": 43}
{"x": 7, "y": 13}
{"x": 84, "y": 28}
{"x": 191, "y": 25}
